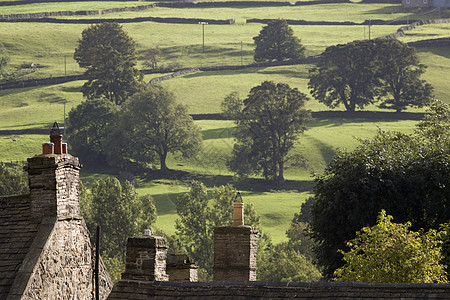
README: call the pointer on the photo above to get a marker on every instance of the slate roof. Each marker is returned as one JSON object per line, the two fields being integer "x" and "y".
{"x": 17, "y": 232}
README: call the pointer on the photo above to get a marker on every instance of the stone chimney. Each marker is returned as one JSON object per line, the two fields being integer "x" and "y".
{"x": 146, "y": 258}
{"x": 54, "y": 180}
{"x": 181, "y": 268}
{"x": 235, "y": 249}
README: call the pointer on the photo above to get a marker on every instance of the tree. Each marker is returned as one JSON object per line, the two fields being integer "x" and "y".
{"x": 13, "y": 180}
{"x": 231, "y": 106}
{"x": 270, "y": 122}
{"x": 109, "y": 56}
{"x": 156, "y": 125}
{"x": 406, "y": 175}
{"x": 276, "y": 41}
{"x": 345, "y": 74}
{"x": 120, "y": 213}
{"x": 197, "y": 219}
{"x": 390, "y": 252}
{"x": 399, "y": 69}
{"x": 89, "y": 125}
{"x": 152, "y": 57}
{"x": 4, "y": 60}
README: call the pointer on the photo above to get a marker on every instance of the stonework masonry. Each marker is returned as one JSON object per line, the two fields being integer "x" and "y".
{"x": 235, "y": 253}
{"x": 180, "y": 268}
{"x": 66, "y": 264}
{"x": 146, "y": 259}
{"x": 54, "y": 185}
{"x": 45, "y": 245}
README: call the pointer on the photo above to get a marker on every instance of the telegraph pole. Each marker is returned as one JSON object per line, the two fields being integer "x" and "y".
{"x": 203, "y": 24}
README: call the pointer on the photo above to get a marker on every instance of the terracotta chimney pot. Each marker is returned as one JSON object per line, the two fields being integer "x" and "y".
{"x": 238, "y": 214}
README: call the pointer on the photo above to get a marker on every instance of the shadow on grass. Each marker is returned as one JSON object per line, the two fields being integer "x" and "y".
{"x": 18, "y": 91}
{"x": 336, "y": 122}
{"x": 218, "y": 133}
{"x": 247, "y": 184}
{"x": 68, "y": 89}
{"x": 51, "y": 98}
{"x": 441, "y": 51}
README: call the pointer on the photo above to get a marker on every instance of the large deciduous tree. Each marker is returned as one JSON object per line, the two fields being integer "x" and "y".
{"x": 197, "y": 219}
{"x": 155, "y": 125}
{"x": 109, "y": 56}
{"x": 267, "y": 127}
{"x": 345, "y": 75}
{"x": 398, "y": 67}
{"x": 88, "y": 129}
{"x": 390, "y": 252}
{"x": 407, "y": 175}
{"x": 276, "y": 41}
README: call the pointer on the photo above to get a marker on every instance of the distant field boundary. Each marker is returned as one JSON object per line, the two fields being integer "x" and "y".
{"x": 181, "y": 4}
{"x": 376, "y": 115}
{"x": 440, "y": 42}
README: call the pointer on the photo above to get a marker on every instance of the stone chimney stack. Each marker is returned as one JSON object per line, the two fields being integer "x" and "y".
{"x": 235, "y": 249}
{"x": 146, "y": 259}
{"x": 54, "y": 180}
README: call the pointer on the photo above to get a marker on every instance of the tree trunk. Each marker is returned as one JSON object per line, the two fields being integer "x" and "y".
{"x": 280, "y": 177}
{"x": 162, "y": 161}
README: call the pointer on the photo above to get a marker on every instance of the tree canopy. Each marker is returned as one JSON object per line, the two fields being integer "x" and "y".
{"x": 13, "y": 180}
{"x": 360, "y": 73}
{"x": 398, "y": 67}
{"x": 267, "y": 127}
{"x": 153, "y": 124}
{"x": 391, "y": 253}
{"x": 88, "y": 129}
{"x": 276, "y": 41}
{"x": 120, "y": 213}
{"x": 407, "y": 175}
{"x": 344, "y": 75}
{"x": 109, "y": 56}
{"x": 197, "y": 219}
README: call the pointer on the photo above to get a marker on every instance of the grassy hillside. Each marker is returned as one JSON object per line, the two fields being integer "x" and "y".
{"x": 51, "y": 47}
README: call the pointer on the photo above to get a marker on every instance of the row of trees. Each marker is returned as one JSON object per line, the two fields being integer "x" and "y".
{"x": 148, "y": 127}
{"x": 355, "y": 74}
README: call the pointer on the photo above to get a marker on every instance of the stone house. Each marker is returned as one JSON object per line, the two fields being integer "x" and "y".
{"x": 45, "y": 246}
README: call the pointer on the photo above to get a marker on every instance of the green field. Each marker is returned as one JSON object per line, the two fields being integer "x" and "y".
{"x": 51, "y": 47}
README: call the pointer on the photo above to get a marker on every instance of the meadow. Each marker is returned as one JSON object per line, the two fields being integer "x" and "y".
{"x": 51, "y": 47}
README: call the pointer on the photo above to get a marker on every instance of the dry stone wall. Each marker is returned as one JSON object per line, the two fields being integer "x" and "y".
{"x": 65, "y": 266}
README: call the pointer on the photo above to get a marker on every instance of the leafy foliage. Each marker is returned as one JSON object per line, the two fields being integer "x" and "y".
{"x": 109, "y": 56}
{"x": 13, "y": 181}
{"x": 4, "y": 60}
{"x": 270, "y": 122}
{"x": 389, "y": 252}
{"x": 197, "y": 219}
{"x": 361, "y": 72}
{"x": 406, "y": 175}
{"x": 276, "y": 41}
{"x": 155, "y": 125}
{"x": 345, "y": 75}
{"x": 231, "y": 106}
{"x": 399, "y": 69}
{"x": 120, "y": 213}
{"x": 88, "y": 129}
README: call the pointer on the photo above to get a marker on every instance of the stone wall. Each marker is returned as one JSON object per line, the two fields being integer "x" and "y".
{"x": 235, "y": 253}
{"x": 65, "y": 266}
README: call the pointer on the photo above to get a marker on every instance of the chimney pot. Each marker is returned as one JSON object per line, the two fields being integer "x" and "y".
{"x": 147, "y": 232}
{"x": 64, "y": 148}
{"x": 238, "y": 214}
{"x": 48, "y": 148}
